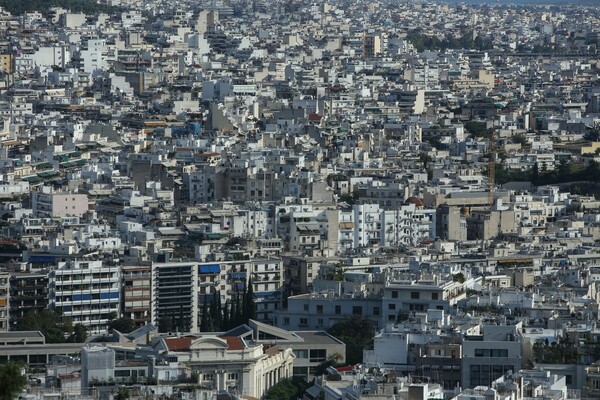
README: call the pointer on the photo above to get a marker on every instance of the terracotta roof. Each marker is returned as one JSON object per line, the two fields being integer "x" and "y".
{"x": 179, "y": 344}
{"x": 234, "y": 343}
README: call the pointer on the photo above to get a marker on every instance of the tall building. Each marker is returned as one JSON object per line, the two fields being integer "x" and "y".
{"x": 4, "y": 302}
{"x": 88, "y": 292}
{"x": 28, "y": 292}
{"x": 180, "y": 289}
{"x": 137, "y": 293}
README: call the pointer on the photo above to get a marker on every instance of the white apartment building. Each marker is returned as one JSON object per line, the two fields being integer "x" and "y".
{"x": 88, "y": 292}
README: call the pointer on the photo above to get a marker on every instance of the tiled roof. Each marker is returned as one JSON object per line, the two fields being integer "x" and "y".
{"x": 179, "y": 344}
{"x": 234, "y": 343}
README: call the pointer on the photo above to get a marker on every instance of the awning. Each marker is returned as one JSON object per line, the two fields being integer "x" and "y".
{"x": 209, "y": 269}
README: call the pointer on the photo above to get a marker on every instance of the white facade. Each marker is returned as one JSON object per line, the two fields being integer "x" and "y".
{"x": 88, "y": 292}
{"x": 231, "y": 363}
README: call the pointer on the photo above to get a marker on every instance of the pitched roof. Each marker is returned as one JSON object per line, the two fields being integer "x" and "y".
{"x": 179, "y": 344}
{"x": 234, "y": 343}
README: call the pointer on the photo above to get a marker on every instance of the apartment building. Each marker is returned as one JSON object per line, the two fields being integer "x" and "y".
{"x": 4, "y": 302}
{"x": 88, "y": 292}
{"x": 316, "y": 311}
{"x": 137, "y": 293}
{"x": 28, "y": 292}
{"x": 489, "y": 351}
{"x": 48, "y": 204}
{"x": 180, "y": 289}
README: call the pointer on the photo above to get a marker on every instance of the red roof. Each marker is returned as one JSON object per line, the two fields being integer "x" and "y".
{"x": 314, "y": 117}
{"x": 346, "y": 368}
{"x": 179, "y": 344}
{"x": 234, "y": 343}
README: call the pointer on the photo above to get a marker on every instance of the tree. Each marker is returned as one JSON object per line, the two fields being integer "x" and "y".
{"x": 53, "y": 326}
{"x": 249, "y": 303}
{"x": 79, "y": 334}
{"x": 535, "y": 174}
{"x": 216, "y": 312}
{"x": 460, "y": 277}
{"x": 287, "y": 389}
{"x": 165, "y": 324}
{"x": 12, "y": 380}
{"x": 226, "y": 324}
{"x": 519, "y": 139}
{"x": 205, "y": 324}
{"x": 123, "y": 325}
{"x": 476, "y": 129}
{"x": 357, "y": 333}
{"x": 122, "y": 393}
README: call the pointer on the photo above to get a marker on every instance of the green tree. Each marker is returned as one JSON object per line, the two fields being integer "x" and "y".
{"x": 205, "y": 320}
{"x": 123, "y": 325}
{"x": 519, "y": 139}
{"x": 122, "y": 393}
{"x": 476, "y": 129}
{"x": 249, "y": 303}
{"x": 79, "y": 334}
{"x": 52, "y": 325}
{"x": 165, "y": 324}
{"x": 357, "y": 333}
{"x": 287, "y": 389}
{"x": 216, "y": 312}
{"x": 226, "y": 324}
{"x": 535, "y": 174}
{"x": 460, "y": 277}
{"x": 12, "y": 380}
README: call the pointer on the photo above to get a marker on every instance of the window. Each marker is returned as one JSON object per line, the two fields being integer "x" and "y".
{"x": 320, "y": 322}
{"x": 415, "y": 295}
{"x": 286, "y": 320}
{"x": 376, "y": 311}
{"x": 434, "y": 296}
{"x": 319, "y": 309}
{"x": 318, "y": 355}
{"x": 394, "y": 294}
{"x": 391, "y": 306}
{"x": 338, "y": 310}
{"x": 303, "y": 321}
{"x": 301, "y": 353}
{"x": 305, "y": 307}
{"x": 356, "y": 310}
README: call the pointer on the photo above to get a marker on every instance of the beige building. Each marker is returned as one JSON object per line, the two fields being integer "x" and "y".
{"x": 232, "y": 363}
{"x": 59, "y": 204}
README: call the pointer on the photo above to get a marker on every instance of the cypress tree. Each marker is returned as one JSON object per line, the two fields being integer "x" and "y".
{"x": 244, "y": 316}
{"x": 250, "y": 302}
{"x": 204, "y": 319}
{"x": 238, "y": 318}
{"x": 226, "y": 324}
{"x": 233, "y": 313}
{"x": 218, "y": 318}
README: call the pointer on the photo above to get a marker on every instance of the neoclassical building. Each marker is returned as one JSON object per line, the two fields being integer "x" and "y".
{"x": 232, "y": 363}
